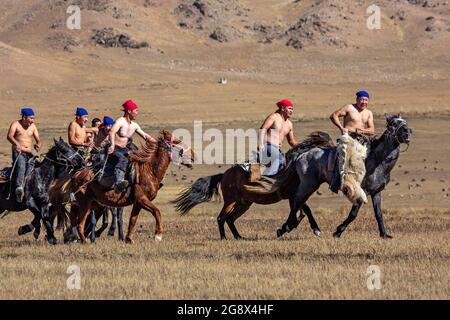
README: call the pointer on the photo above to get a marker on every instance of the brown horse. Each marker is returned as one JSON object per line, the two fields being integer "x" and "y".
{"x": 238, "y": 195}
{"x": 150, "y": 162}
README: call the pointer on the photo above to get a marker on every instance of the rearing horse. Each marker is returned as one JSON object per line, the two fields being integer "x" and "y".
{"x": 150, "y": 162}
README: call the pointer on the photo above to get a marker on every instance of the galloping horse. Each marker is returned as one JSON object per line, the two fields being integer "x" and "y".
{"x": 238, "y": 199}
{"x": 312, "y": 171}
{"x": 150, "y": 163}
{"x": 59, "y": 160}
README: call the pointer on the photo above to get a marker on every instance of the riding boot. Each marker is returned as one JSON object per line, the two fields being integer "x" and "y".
{"x": 120, "y": 184}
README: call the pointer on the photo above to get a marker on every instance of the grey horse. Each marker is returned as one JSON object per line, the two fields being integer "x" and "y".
{"x": 312, "y": 170}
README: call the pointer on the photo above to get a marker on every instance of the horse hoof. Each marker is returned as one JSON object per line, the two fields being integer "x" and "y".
{"x": 158, "y": 238}
{"x": 336, "y": 235}
{"x": 129, "y": 241}
{"x": 36, "y": 234}
{"x": 51, "y": 241}
{"x": 386, "y": 236}
{"x": 279, "y": 233}
{"x": 20, "y": 231}
{"x": 317, "y": 232}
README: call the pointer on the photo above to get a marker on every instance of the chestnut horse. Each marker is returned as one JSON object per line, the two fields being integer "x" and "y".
{"x": 238, "y": 197}
{"x": 150, "y": 162}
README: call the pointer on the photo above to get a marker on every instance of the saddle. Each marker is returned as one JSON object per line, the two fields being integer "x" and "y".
{"x": 277, "y": 186}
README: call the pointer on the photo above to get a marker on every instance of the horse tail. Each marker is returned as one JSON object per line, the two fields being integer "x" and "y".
{"x": 202, "y": 190}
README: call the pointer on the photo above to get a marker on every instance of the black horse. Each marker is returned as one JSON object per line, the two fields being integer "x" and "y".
{"x": 117, "y": 219}
{"x": 61, "y": 159}
{"x": 312, "y": 170}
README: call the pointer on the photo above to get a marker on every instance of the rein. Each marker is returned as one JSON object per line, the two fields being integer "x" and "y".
{"x": 394, "y": 134}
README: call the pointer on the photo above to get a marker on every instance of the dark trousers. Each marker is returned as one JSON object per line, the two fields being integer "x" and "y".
{"x": 21, "y": 160}
{"x": 121, "y": 158}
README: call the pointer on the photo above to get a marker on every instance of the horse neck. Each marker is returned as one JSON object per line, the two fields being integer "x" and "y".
{"x": 386, "y": 145}
{"x": 45, "y": 169}
{"x": 159, "y": 162}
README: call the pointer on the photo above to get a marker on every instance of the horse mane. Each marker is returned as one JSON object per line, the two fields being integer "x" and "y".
{"x": 315, "y": 139}
{"x": 146, "y": 152}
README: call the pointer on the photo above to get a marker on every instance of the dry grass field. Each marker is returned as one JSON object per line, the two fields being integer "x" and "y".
{"x": 315, "y": 53}
{"x": 191, "y": 263}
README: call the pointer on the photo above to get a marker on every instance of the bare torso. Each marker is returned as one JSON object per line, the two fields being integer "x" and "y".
{"x": 126, "y": 131}
{"x": 101, "y": 139}
{"x": 355, "y": 119}
{"x": 77, "y": 134}
{"x": 24, "y": 136}
{"x": 278, "y": 130}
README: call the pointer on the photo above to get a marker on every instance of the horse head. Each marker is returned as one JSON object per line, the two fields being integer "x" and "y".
{"x": 61, "y": 152}
{"x": 397, "y": 127}
{"x": 180, "y": 153}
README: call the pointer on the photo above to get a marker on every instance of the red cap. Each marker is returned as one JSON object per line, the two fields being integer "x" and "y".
{"x": 284, "y": 103}
{"x": 129, "y": 105}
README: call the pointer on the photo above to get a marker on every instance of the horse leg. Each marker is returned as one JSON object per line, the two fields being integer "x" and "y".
{"x": 71, "y": 233}
{"x": 133, "y": 219}
{"x": 120, "y": 222}
{"x": 36, "y": 223}
{"x": 50, "y": 236}
{"x": 149, "y": 206}
{"x": 298, "y": 200}
{"x": 351, "y": 216}
{"x": 306, "y": 210}
{"x": 102, "y": 212}
{"x": 83, "y": 212}
{"x": 92, "y": 226}
{"x": 112, "y": 228}
{"x": 27, "y": 228}
{"x": 238, "y": 211}
{"x": 226, "y": 210}
{"x": 376, "y": 202}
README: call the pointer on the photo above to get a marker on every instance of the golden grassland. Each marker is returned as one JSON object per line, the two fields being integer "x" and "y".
{"x": 191, "y": 263}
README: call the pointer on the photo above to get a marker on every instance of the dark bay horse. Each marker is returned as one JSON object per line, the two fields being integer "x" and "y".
{"x": 237, "y": 198}
{"x": 58, "y": 161}
{"x": 151, "y": 162}
{"x": 312, "y": 171}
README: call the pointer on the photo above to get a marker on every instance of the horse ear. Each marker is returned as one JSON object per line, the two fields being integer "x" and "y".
{"x": 54, "y": 141}
{"x": 399, "y": 115}
{"x": 61, "y": 139}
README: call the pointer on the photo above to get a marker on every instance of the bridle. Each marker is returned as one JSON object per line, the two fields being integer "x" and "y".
{"x": 64, "y": 160}
{"x": 171, "y": 145}
{"x": 393, "y": 132}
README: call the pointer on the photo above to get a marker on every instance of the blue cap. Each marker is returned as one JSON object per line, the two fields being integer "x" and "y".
{"x": 362, "y": 94}
{"x": 107, "y": 121}
{"x": 81, "y": 112}
{"x": 27, "y": 112}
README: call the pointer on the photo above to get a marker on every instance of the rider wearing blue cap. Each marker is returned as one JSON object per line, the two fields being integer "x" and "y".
{"x": 357, "y": 118}
{"x": 20, "y": 135}
{"x": 358, "y": 124}
{"x": 102, "y": 138}
{"x": 77, "y": 132}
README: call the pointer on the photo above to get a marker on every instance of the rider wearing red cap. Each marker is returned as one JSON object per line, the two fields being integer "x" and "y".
{"x": 274, "y": 130}
{"x": 121, "y": 132}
